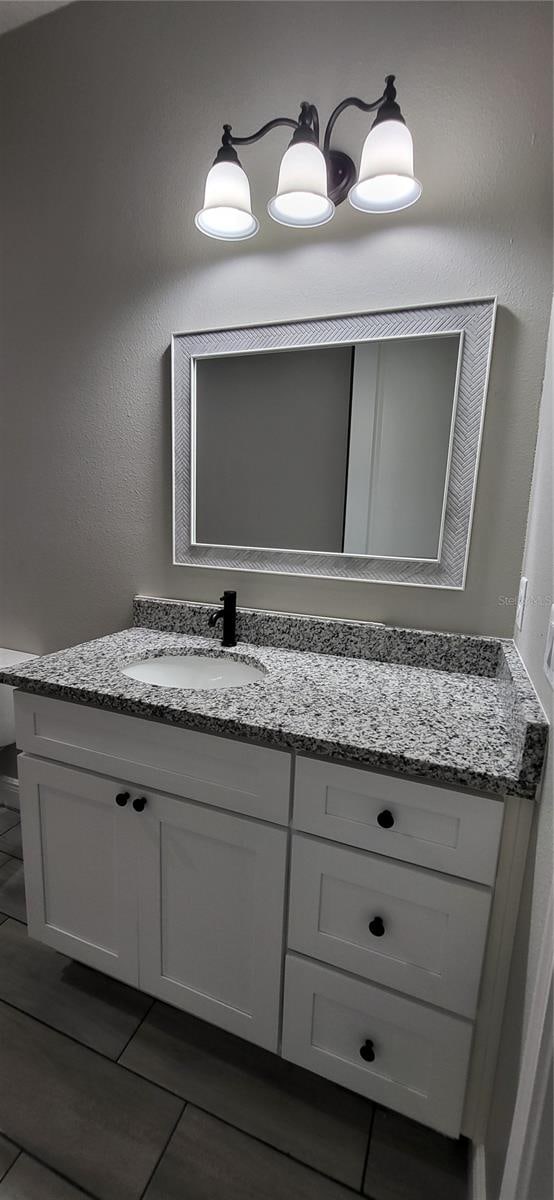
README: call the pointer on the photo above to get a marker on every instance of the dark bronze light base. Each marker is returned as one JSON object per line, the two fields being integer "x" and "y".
{"x": 341, "y": 175}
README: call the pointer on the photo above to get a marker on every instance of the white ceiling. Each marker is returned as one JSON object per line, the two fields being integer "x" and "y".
{"x": 18, "y": 12}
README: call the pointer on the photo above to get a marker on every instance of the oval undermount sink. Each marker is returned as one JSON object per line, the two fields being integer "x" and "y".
{"x": 193, "y": 671}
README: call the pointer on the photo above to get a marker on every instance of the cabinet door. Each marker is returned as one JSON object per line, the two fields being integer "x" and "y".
{"x": 211, "y": 915}
{"x": 80, "y": 879}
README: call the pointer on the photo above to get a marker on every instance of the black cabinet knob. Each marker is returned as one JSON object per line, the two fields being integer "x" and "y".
{"x": 121, "y": 799}
{"x": 385, "y": 819}
{"x": 140, "y": 803}
{"x": 367, "y": 1051}
{"x": 376, "y": 927}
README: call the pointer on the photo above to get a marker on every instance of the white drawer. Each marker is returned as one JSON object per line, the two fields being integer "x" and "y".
{"x": 401, "y": 926}
{"x": 420, "y": 1055}
{"x": 448, "y": 831}
{"x": 214, "y": 770}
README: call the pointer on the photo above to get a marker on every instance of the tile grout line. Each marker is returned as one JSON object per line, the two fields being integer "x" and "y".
{"x": 83, "y": 1045}
{"x": 135, "y": 1031}
{"x": 253, "y": 1137}
{"x": 368, "y": 1147}
{"x": 175, "y": 1095}
{"x": 48, "y": 1167}
{"x": 8, "y": 854}
{"x": 162, "y": 1153}
{"x": 60, "y": 1175}
{"x": 11, "y": 827}
{"x": 14, "y": 858}
{"x": 5, "y": 1173}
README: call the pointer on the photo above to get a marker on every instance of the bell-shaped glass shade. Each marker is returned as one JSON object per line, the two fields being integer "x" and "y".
{"x": 227, "y": 211}
{"x": 301, "y": 197}
{"x": 386, "y": 181}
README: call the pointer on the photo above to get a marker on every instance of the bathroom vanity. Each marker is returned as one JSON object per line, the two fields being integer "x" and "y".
{"x": 326, "y": 862}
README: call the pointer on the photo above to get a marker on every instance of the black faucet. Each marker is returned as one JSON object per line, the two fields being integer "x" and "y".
{"x": 229, "y": 614}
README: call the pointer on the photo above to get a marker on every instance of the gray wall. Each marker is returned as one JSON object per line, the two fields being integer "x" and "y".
{"x": 109, "y": 118}
{"x": 539, "y": 569}
{"x": 272, "y": 447}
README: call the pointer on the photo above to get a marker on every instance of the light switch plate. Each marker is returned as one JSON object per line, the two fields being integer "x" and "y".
{"x": 520, "y": 610}
{"x": 549, "y": 650}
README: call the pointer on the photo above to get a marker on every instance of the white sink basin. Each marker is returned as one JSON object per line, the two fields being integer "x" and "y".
{"x": 193, "y": 671}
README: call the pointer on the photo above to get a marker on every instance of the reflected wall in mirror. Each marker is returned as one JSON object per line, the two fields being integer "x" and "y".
{"x": 344, "y": 447}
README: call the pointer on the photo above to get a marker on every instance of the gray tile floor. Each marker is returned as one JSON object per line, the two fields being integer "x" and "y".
{"x": 108, "y": 1095}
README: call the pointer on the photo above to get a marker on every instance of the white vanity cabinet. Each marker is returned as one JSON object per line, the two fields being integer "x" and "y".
{"x": 357, "y": 923}
{"x": 179, "y": 899}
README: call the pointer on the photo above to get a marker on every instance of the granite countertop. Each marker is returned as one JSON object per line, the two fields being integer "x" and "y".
{"x": 478, "y": 729}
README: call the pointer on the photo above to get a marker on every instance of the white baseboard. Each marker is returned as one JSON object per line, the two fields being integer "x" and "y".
{"x": 9, "y": 792}
{"x": 477, "y": 1188}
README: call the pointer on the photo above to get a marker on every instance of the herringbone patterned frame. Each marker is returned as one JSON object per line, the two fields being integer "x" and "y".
{"x": 474, "y": 318}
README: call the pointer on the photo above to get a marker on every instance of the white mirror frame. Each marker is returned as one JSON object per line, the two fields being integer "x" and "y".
{"x": 473, "y": 320}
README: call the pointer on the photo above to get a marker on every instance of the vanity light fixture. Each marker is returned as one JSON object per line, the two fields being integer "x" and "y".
{"x": 313, "y": 180}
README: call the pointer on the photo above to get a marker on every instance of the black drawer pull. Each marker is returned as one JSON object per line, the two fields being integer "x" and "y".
{"x": 385, "y": 819}
{"x": 140, "y": 803}
{"x": 376, "y": 927}
{"x": 121, "y": 799}
{"x": 367, "y": 1051}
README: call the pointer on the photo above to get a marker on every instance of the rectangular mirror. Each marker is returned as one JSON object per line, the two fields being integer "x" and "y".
{"x": 344, "y": 447}
{"x": 364, "y": 472}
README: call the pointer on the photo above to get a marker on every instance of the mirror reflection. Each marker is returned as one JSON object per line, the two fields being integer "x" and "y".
{"x": 331, "y": 449}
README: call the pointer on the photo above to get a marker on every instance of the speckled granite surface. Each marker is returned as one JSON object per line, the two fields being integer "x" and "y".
{"x": 324, "y": 635}
{"x": 481, "y": 730}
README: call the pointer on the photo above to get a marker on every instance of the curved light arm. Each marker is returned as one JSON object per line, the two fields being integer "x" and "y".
{"x": 355, "y": 102}
{"x": 308, "y": 119}
{"x": 229, "y": 139}
{"x": 314, "y": 118}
